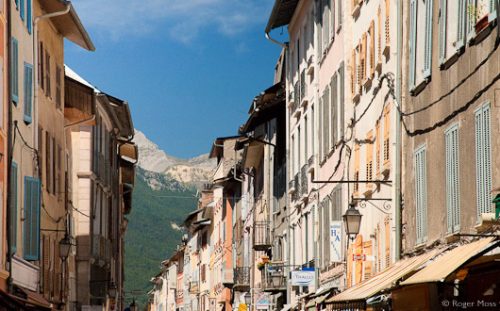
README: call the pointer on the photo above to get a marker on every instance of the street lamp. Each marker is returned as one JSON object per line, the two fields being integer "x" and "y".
{"x": 352, "y": 221}
{"x": 64, "y": 247}
{"x": 248, "y": 299}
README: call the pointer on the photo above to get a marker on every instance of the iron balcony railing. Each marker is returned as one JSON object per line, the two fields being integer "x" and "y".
{"x": 262, "y": 235}
{"x": 241, "y": 278}
{"x": 273, "y": 278}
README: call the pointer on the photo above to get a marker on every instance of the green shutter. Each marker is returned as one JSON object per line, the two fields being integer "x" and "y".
{"x": 21, "y": 9}
{"x": 13, "y": 207}
{"x": 14, "y": 74}
{"x": 28, "y": 92}
{"x": 443, "y": 7}
{"x": 413, "y": 41}
{"x": 29, "y": 24}
{"x": 428, "y": 38}
{"x": 31, "y": 219}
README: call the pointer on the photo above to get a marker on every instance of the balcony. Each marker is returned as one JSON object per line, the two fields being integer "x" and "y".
{"x": 262, "y": 235}
{"x": 273, "y": 278}
{"x": 241, "y": 279}
{"x": 227, "y": 277}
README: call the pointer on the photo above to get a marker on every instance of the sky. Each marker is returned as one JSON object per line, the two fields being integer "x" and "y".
{"x": 188, "y": 68}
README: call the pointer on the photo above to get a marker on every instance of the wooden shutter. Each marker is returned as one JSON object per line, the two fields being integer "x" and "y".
{"x": 379, "y": 34}
{"x": 13, "y": 207}
{"x": 334, "y": 111}
{"x": 367, "y": 263}
{"x": 349, "y": 265}
{"x": 452, "y": 179}
{"x": 428, "y": 38}
{"x": 353, "y": 73}
{"x": 483, "y": 159}
{"x": 387, "y": 243}
{"x": 413, "y": 46}
{"x": 443, "y": 8}
{"x": 358, "y": 251}
{"x": 378, "y": 138}
{"x": 342, "y": 100}
{"x": 363, "y": 58}
{"x": 45, "y": 264}
{"x": 461, "y": 24}
{"x": 332, "y": 18}
{"x": 319, "y": 25}
{"x": 58, "y": 87}
{"x": 54, "y": 166}
{"x": 388, "y": 23}
{"x": 356, "y": 167}
{"x": 47, "y": 75}
{"x": 48, "y": 162}
{"x": 326, "y": 124}
{"x": 387, "y": 129}
{"x": 15, "y": 71}
{"x": 40, "y": 151}
{"x": 421, "y": 194}
{"x": 369, "y": 159}
{"x": 41, "y": 60}
{"x": 28, "y": 92}
{"x": 29, "y": 23}
{"x": 339, "y": 12}
{"x": 31, "y": 218}
{"x": 21, "y": 9}
{"x": 372, "y": 49}
{"x": 320, "y": 125}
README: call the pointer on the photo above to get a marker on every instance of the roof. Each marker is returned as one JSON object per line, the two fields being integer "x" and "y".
{"x": 281, "y": 14}
{"x": 443, "y": 266}
{"x": 217, "y": 145}
{"x": 119, "y": 112}
{"x": 384, "y": 280}
{"x": 73, "y": 75}
{"x": 69, "y": 25}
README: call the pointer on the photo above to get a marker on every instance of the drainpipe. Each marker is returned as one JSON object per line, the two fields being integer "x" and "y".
{"x": 9, "y": 150}
{"x": 287, "y": 173}
{"x": 397, "y": 177}
{"x": 35, "y": 64}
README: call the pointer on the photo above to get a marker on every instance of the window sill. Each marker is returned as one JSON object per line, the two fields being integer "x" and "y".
{"x": 448, "y": 62}
{"x": 479, "y": 33}
{"x": 355, "y": 12}
{"x": 419, "y": 87}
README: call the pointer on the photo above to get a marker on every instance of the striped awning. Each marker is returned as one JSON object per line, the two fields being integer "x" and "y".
{"x": 439, "y": 269}
{"x": 385, "y": 280}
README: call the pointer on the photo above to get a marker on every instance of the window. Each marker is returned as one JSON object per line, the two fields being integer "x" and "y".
{"x": 336, "y": 199}
{"x": 306, "y": 239}
{"x": 31, "y": 218}
{"x": 369, "y": 159}
{"x": 326, "y": 231}
{"x": 421, "y": 13}
{"x": 48, "y": 161}
{"x": 452, "y": 19}
{"x": 306, "y": 140}
{"x": 372, "y": 49}
{"x": 452, "y": 179}
{"x": 387, "y": 128}
{"x": 334, "y": 108}
{"x": 483, "y": 159}
{"x": 356, "y": 168}
{"x": 14, "y": 73}
{"x": 325, "y": 124}
{"x": 28, "y": 92}
{"x": 388, "y": 25}
{"x": 421, "y": 194}
{"x": 21, "y": 9}
{"x": 13, "y": 207}
{"x": 341, "y": 100}
{"x": 41, "y": 71}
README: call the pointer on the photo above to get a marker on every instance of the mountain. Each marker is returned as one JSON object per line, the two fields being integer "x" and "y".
{"x": 164, "y": 193}
{"x": 189, "y": 171}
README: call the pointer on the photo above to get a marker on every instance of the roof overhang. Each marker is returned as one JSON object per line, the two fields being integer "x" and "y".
{"x": 254, "y": 152}
{"x": 281, "y": 14}
{"x": 266, "y": 106}
{"x": 119, "y": 112}
{"x": 69, "y": 25}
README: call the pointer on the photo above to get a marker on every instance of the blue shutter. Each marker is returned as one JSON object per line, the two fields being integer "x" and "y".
{"x": 17, "y": 4}
{"x": 28, "y": 92}
{"x": 428, "y": 38}
{"x": 461, "y": 24}
{"x": 443, "y": 20}
{"x": 29, "y": 23}
{"x": 21, "y": 9}
{"x": 14, "y": 73}
{"x": 413, "y": 43}
{"x": 13, "y": 207}
{"x": 31, "y": 218}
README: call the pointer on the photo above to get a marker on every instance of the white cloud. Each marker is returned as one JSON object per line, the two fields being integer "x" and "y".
{"x": 181, "y": 19}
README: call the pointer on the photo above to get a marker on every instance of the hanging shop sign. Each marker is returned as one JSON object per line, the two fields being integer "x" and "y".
{"x": 303, "y": 277}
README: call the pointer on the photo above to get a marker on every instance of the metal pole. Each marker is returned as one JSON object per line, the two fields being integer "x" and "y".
{"x": 397, "y": 177}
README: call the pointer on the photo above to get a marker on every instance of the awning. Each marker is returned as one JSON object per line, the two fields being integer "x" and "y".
{"x": 253, "y": 155}
{"x": 382, "y": 281}
{"x": 443, "y": 266}
{"x": 24, "y": 300}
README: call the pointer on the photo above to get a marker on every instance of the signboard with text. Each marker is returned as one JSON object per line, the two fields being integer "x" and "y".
{"x": 336, "y": 241}
{"x": 303, "y": 278}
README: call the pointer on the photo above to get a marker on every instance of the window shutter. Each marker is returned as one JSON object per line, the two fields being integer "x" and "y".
{"x": 388, "y": 23}
{"x": 487, "y": 158}
{"x": 413, "y": 46}
{"x": 387, "y": 242}
{"x": 29, "y": 24}
{"x": 342, "y": 100}
{"x": 372, "y": 49}
{"x": 363, "y": 57}
{"x": 13, "y": 207}
{"x": 387, "y": 127}
{"x": 353, "y": 73}
{"x": 428, "y": 38}
{"x": 483, "y": 160}
{"x": 369, "y": 159}
{"x": 15, "y": 71}
{"x": 452, "y": 186}
{"x": 461, "y": 23}
{"x": 367, "y": 264}
{"x": 379, "y": 35}
{"x": 319, "y": 30}
{"x": 332, "y": 18}
{"x": 326, "y": 122}
{"x": 443, "y": 8}
{"x": 471, "y": 18}
{"x": 320, "y": 132}
{"x": 339, "y": 12}
{"x": 48, "y": 161}
{"x": 378, "y": 138}
{"x": 28, "y": 92}
{"x": 326, "y": 25}
{"x": 21, "y": 9}
{"x": 334, "y": 116}
{"x": 421, "y": 195}
{"x": 31, "y": 218}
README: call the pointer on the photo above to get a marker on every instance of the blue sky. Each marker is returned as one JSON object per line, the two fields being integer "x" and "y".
{"x": 188, "y": 68}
